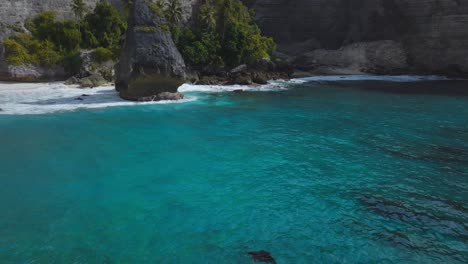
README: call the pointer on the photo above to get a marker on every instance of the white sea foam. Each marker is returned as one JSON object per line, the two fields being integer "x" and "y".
{"x": 271, "y": 86}
{"x": 41, "y": 98}
{"x": 387, "y": 78}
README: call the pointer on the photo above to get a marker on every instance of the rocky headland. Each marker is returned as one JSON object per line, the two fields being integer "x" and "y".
{"x": 316, "y": 36}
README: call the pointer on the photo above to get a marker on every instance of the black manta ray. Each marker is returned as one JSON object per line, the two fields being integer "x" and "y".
{"x": 262, "y": 256}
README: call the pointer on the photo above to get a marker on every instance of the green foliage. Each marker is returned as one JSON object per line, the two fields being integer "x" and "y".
{"x": 16, "y": 27}
{"x": 52, "y": 42}
{"x": 157, "y": 8}
{"x": 78, "y": 8}
{"x": 165, "y": 27}
{"x": 72, "y": 62}
{"x": 24, "y": 49}
{"x": 224, "y": 33}
{"x": 146, "y": 29}
{"x": 207, "y": 17}
{"x": 43, "y": 26}
{"x": 26, "y": 40}
{"x": 64, "y": 35}
{"x": 127, "y": 5}
{"x": 15, "y": 53}
{"x": 102, "y": 55}
{"x": 173, "y": 12}
{"x": 106, "y": 26}
{"x": 89, "y": 40}
{"x": 67, "y": 35}
{"x": 48, "y": 56}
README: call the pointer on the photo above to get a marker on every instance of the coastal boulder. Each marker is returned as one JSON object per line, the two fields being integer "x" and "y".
{"x": 150, "y": 63}
{"x": 92, "y": 81}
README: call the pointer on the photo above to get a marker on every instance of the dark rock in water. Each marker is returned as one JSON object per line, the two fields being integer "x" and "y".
{"x": 150, "y": 63}
{"x": 262, "y": 256}
{"x": 79, "y": 99}
{"x": 1, "y": 109}
{"x": 85, "y": 95}
{"x": 164, "y": 96}
{"x": 238, "y": 91}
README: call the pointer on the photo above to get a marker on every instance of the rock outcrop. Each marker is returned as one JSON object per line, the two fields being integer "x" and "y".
{"x": 30, "y": 73}
{"x": 13, "y": 11}
{"x": 382, "y": 57}
{"x": 150, "y": 64}
{"x": 433, "y": 33}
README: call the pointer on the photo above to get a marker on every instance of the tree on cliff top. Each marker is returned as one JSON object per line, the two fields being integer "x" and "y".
{"x": 79, "y": 9}
{"x": 127, "y": 5}
{"x": 174, "y": 12}
{"x": 105, "y": 26}
{"x": 224, "y": 34}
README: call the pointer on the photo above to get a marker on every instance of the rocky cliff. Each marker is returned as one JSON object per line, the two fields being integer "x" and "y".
{"x": 434, "y": 33}
{"x": 150, "y": 67}
{"x": 13, "y": 13}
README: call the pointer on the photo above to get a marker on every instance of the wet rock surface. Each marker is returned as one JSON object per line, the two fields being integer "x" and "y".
{"x": 164, "y": 96}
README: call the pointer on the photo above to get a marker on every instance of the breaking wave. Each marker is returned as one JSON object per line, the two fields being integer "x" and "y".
{"x": 43, "y": 98}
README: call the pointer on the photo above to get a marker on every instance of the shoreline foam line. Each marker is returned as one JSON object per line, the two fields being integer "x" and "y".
{"x": 44, "y": 98}
{"x": 385, "y": 78}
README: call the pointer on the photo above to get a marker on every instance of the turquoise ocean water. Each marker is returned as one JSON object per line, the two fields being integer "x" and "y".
{"x": 312, "y": 174}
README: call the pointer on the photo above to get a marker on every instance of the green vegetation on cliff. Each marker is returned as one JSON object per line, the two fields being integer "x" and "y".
{"x": 224, "y": 33}
{"x": 51, "y": 43}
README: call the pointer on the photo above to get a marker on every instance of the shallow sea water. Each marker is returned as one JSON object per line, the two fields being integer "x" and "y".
{"x": 311, "y": 173}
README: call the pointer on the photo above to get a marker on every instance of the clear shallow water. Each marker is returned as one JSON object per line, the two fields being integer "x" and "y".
{"x": 311, "y": 174}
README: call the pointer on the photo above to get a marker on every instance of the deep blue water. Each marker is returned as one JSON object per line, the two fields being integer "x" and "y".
{"x": 314, "y": 174}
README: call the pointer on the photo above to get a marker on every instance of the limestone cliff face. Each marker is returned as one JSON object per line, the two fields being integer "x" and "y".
{"x": 437, "y": 37}
{"x": 13, "y": 11}
{"x": 434, "y": 32}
